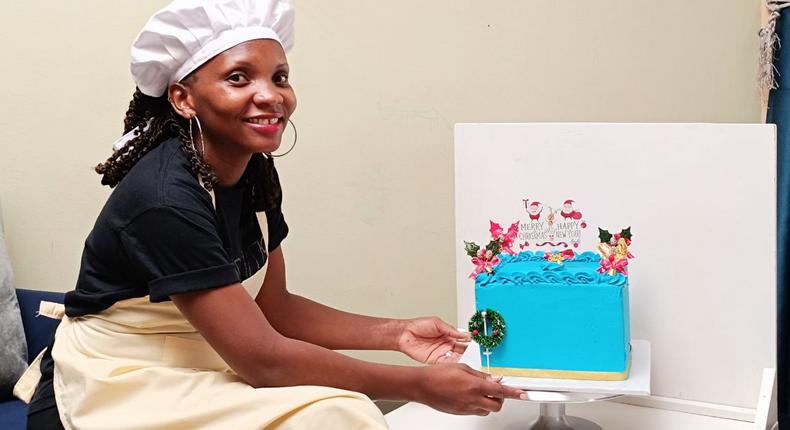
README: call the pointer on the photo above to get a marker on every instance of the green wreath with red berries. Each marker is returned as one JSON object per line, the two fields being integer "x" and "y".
{"x": 494, "y": 321}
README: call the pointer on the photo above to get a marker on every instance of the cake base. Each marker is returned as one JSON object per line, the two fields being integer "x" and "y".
{"x": 563, "y": 374}
{"x": 637, "y": 384}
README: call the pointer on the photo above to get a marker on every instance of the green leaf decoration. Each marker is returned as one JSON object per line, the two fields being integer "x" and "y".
{"x": 604, "y": 235}
{"x": 495, "y": 323}
{"x": 471, "y": 248}
{"x": 493, "y": 246}
{"x": 626, "y": 233}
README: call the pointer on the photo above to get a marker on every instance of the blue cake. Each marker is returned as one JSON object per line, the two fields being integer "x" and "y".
{"x": 563, "y": 319}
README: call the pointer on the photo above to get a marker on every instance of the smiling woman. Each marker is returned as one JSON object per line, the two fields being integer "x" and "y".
{"x": 159, "y": 327}
{"x": 243, "y": 99}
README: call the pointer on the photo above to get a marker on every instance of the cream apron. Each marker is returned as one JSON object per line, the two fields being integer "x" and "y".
{"x": 143, "y": 366}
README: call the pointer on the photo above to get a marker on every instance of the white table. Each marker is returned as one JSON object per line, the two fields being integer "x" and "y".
{"x": 609, "y": 415}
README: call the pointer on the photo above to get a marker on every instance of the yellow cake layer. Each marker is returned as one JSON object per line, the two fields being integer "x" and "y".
{"x": 562, "y": 374}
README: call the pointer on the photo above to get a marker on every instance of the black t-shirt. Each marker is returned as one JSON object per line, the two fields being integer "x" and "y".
{"x": 159, "y": 234}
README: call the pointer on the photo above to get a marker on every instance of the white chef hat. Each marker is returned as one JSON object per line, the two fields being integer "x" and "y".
{"x": 187, "y": 33}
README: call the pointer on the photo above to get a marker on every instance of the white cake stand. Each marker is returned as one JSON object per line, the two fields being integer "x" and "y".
{"x": 553, "y": 394}
{"x": 552, "y": 411}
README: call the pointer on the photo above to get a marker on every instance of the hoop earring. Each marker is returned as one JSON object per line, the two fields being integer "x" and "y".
{"x": 200, "y": 133}
{"x": 296, "y": 137}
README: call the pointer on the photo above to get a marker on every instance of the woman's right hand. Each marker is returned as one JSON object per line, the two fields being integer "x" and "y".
{"x": 458, "y": 389}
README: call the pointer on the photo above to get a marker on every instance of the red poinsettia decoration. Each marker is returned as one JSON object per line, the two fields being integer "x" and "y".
{"x": 506, "y": 239}
{"x": 614, "y": 251}
{"x": 614, "y": 265}
{"x": 485, "y": 259}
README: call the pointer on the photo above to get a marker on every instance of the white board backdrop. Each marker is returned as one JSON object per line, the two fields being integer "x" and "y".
{"x": 701, "y": 201}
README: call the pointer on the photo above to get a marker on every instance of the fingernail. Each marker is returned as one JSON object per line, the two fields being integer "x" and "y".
{"x": 523, "y": 396}
{"x": 495, "y": 378}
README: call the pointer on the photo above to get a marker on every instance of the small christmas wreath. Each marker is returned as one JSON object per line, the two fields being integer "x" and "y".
{"x": 495, "y": 322}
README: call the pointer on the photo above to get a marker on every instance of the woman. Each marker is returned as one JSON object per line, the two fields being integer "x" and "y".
{"x": 160, "y": 332}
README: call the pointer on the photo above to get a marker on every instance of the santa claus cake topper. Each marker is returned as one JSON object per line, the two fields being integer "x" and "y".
{"x": 568, "y": 212}
{"x": 534, "y": 210}
{"x": 548, "y": 228}
{"x": 553, "y": 234}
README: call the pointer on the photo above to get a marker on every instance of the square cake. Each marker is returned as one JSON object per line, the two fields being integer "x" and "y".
{"x": 553, "y": 314}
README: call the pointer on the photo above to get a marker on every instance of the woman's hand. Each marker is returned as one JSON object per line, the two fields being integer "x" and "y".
{"x": 458, "y": 389}
{"x": 431, "y": 340}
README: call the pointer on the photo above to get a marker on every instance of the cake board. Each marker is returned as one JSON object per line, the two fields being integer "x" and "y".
{"x": 553, "y": 394}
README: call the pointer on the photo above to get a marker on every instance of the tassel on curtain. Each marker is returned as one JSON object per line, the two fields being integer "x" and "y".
{"x": 769, "y": 43}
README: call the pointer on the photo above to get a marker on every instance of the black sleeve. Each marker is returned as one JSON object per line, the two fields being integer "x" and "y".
{"x": 176, "y": 251}
{"x": 278, "y": 228}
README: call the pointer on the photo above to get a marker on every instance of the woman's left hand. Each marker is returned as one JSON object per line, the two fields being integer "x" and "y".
{"x": 431, "y": 340}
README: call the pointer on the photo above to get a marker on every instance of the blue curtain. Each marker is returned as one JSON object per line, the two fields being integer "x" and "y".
{"x": 779, "y": 114}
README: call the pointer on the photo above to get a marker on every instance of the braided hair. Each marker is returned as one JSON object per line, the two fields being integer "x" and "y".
{"x": 165, "y": 124}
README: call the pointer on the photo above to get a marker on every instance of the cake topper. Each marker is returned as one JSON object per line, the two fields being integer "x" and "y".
{"x": 478, "y": 327}
{"x": 614, "y": 251}
{"x": 559, "y": 256}
{"x": 485, "y": 259}
{"x": 506, "y": 240}
{"x": 551, "y": 226}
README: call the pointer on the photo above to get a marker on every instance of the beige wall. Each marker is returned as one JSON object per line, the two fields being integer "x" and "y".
{"x": 369, "y": 189}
